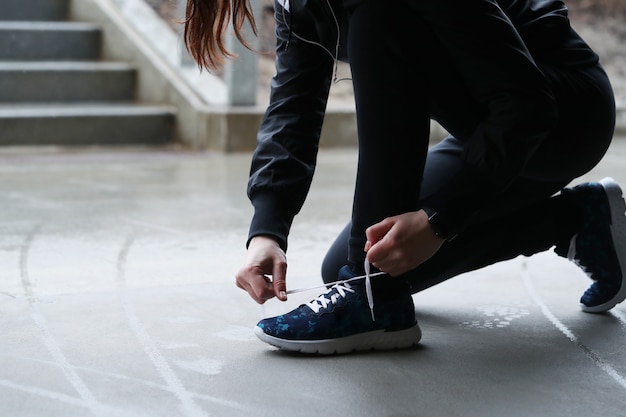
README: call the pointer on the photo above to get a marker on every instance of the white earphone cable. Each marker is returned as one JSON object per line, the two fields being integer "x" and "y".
{"x": 337, "y": 43}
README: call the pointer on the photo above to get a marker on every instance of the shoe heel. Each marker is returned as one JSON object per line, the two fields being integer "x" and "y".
{"x": 617, "y": 205}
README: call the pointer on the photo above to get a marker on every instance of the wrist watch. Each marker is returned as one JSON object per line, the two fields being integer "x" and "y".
{"x": 440, "y": 229}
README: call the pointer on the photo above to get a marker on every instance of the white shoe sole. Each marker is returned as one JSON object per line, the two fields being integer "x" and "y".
{"x": 375, "y": 340}
{"x": 618, "y": 234}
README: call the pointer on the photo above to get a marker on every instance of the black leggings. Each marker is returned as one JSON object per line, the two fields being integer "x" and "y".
{"x": 402, "y": 80}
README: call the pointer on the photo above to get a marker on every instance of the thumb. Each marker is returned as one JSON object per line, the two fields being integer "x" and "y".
{"x": 279, "y": 280}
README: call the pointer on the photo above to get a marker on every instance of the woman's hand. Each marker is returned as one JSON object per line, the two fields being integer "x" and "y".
{"x": 264, "y": 258}
{"x": 401, "y": 243}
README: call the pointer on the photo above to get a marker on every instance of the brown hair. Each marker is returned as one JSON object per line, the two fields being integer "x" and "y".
{"x": 206, "y": 22}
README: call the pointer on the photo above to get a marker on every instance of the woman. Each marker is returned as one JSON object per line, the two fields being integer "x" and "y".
{"x": 528, "y": 108}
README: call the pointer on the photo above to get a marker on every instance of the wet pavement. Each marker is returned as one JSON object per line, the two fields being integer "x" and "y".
{"x": 117, "y": 298}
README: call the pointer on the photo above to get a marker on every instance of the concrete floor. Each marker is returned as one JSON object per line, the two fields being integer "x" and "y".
{"x": 117, "y": 298}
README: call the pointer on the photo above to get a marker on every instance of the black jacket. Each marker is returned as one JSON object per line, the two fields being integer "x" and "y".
{"x": 311, "y": 35}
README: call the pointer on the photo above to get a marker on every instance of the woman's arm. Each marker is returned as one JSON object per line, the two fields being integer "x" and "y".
{"x": 287, "y": 144}
{"x": 284, "y": 160}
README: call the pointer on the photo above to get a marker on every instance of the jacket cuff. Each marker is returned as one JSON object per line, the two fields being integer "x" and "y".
{"x": 270, "y": 219}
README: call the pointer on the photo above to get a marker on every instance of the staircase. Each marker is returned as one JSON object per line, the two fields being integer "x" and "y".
{"x": 55, "y": 90}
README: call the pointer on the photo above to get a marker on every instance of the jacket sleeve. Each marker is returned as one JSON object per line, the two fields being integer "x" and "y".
{"x": 287, "y": 142}
{"x": 495, "y": 64}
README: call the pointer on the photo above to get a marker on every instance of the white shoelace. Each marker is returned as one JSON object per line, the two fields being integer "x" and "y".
{"x": 323, "y": 302}
{"x": 341, "y": 287}
{"x": 368, "y": 289}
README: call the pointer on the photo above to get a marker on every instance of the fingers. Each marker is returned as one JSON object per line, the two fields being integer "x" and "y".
{"x": 259, "y": 286}
{"x": 379, "y": 241}
{"x": 387, "y": 256}
{"x": 403, "y": 243}
{"x": 264, "y": 257}
{"x": 255, "y": 283}
{"x": 377, "y": 232}
{"x": 279, "y": 280}
{"x": 381, "y": 255}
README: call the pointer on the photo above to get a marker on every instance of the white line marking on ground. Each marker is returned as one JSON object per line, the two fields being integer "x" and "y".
{"x": 46, "y": 336}
{"x": 151, "y": 384}
{"x": 148, "y": 345}
{"x": 606, "y": 367}
{"x": 57, "y": 396}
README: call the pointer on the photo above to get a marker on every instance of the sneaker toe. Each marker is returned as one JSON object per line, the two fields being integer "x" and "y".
{"x": 276, "y": 327}
{"x": 272, "y": 327}
{"x": 598, "y": 299}
{"x": 293, "y": 325}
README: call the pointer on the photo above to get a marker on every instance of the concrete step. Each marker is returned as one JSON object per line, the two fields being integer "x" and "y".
{"x": 34, "y": 10}
{"x": 97, "y": 124}
{"x": 66, "y": 81}
{"x": 42, "y": 41}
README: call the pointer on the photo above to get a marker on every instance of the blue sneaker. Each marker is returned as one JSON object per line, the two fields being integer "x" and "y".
{"x": 340, "y": 321}
{"x": 599, "y": 248}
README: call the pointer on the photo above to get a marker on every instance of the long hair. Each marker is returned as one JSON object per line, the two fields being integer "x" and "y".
{"x": 206, "y": 23}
